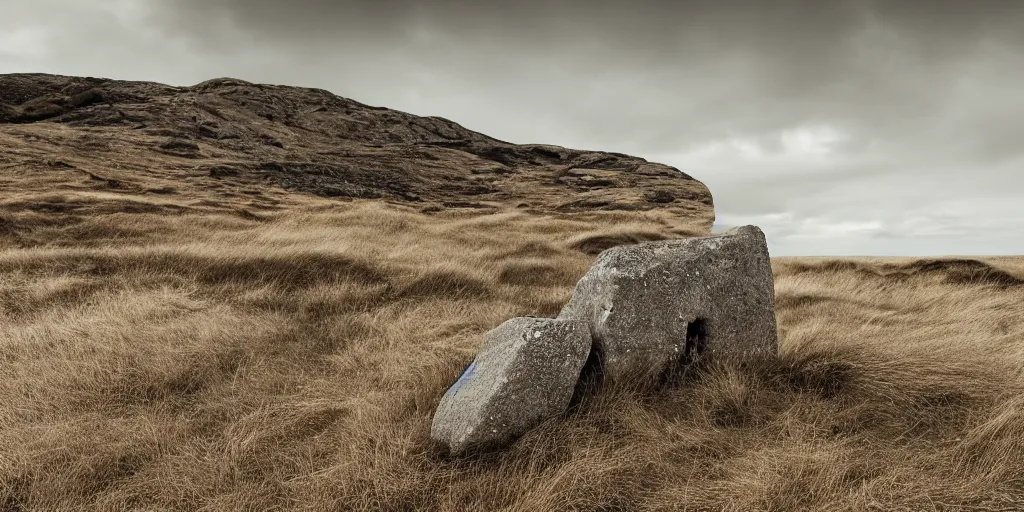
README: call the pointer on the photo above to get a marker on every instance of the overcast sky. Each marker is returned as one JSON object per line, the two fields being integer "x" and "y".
{"x": 883, "y": 127}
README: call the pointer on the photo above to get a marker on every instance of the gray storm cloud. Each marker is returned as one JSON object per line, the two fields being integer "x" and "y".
{"x": 878, "y": 126}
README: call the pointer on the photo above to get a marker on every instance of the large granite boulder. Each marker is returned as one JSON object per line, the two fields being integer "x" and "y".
{"x": 525, "y": 372}
{"x": 656, "y": 304}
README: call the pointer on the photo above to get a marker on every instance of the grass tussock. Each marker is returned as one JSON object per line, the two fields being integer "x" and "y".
{"x": 293, "y": 362}
{"x": 595, "y": 242}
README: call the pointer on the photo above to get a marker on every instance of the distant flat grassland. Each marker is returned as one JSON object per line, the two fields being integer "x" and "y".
{"x": 154, "y": 356}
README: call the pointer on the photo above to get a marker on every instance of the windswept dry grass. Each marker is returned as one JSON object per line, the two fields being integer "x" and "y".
{"x": 169, "y": 359}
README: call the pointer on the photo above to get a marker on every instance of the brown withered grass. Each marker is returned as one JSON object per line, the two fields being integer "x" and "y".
{"x": 156, "y": 358}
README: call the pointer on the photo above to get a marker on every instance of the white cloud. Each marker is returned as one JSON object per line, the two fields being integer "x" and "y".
{"x": 812, "y": 140}
{"x": 24, "y": 43}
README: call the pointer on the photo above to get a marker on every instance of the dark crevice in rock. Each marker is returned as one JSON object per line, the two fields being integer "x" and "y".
{"x": 696, "y": 340}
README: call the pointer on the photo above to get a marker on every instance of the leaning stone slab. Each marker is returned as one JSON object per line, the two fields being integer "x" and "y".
{"x": 525, "y": 372}
{"x": 655, "y": 304}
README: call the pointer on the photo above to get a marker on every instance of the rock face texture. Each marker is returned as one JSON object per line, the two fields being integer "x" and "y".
{"x": 223, "y": 136}
{"x": 655, "y": 304}
{"x": 525, "y": 373}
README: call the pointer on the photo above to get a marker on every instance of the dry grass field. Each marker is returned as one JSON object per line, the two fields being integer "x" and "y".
{"x": 191, "y": 319}
{"x": 154, "y": 357}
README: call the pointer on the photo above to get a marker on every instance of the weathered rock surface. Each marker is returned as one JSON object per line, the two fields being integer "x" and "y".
{"x": 525, "y": 372}
{"x": 656, "y": 304}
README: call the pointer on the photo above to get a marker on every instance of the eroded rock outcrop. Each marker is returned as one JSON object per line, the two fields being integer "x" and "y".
{"x": 284, "y": 140}
{"x": 654, "y": 304}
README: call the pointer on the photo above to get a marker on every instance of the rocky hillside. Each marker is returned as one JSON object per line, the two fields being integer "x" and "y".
{"x": 230, "y": 138}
